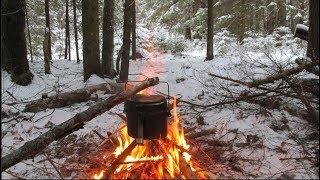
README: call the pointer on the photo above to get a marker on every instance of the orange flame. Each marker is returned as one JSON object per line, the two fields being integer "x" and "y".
{"x": 161, "y": 157}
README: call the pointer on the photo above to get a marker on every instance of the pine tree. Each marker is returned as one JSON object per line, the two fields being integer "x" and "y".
{"x": 313, "y": 35}
{"x": 210, "y": 31}
{"x": 124, "y": 72}
{"x": 90, "y": 31}
{"x": 29, "y": 35}
{"x": 13, "y": 41}
{"x": 75, "y": 29}
{"x": 67, "y": 38}
{"x": 108, "y": 38}
{"x": 133, "y": 30}
{"x": 48, "y": 28}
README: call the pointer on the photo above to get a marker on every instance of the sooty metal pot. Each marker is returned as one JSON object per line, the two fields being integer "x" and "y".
{"x": 147, "y": 116}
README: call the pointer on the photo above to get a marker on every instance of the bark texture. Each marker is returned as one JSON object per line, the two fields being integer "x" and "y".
{"x": 133, "y": 31}
{"x": 108, "y": 38}
{"x": 68, "y": 98}
{"x": 210, "y": 31}
{"x": 126, "y": 41}
{"x": 313, "y": 35}
{"x": 33, "y": 147}
{"x": 46, "y": 53}
{"x": 67, "y": 39}
{"x": 47, "y": 11}
{"x": 75, "y": 29}
{"x": 13, "y": 41}
{"x": 90, "y": 29}
{"x": 29, "y": 35}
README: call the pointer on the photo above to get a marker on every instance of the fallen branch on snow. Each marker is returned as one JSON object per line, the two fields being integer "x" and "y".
{"x": 33, "y": 147}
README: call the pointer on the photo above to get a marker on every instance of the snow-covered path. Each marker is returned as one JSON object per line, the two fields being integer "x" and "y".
{"x": 272, "y": 154}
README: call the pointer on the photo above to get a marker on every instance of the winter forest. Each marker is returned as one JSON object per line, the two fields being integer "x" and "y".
{"x": 160, "y": 89}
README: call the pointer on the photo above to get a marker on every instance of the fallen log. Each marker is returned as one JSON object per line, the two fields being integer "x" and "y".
{"x": 284, "y": 74}
{"x": 33, "y": 147}
{"x": 68, "y": 98}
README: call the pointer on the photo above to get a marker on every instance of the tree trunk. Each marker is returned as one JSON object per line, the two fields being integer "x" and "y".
{"x": 313, "y": 35}
{"x": 108, "y": 38}
{"x": 75, "y": 29}
{"x": 188, "y": 33}
{"x": 47, "y": 11}
{"x": 133, "y": 30}
{"x": 90, "y": 31}
{"x": 46, "y": 53}
{"x": 13, "y": 41}
{"x": 67, "y": 40}
{"x": 29, "y": 35}
{"x": 126, "y": 41}
{"x": 35, "y": 146}
{"x": 242, "y": 20}
{"x": 210, "y": 31}
{"x": 281, "y": 13}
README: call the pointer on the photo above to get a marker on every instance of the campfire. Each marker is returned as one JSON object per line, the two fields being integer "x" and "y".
{"x": 151, "y": 144}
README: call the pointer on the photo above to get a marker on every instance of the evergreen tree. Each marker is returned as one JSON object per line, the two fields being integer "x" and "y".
{"x": 13, "y": 41}
{"x": 90, "y": 31}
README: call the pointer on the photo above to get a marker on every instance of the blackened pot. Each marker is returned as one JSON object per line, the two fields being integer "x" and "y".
{"x": 147, "y": 116}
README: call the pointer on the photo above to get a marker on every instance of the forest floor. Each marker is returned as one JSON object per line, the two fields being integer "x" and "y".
{"x": 262, "y": 143}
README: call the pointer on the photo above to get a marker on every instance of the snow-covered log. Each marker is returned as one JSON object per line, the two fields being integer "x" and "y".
{"x": 68, "y": 98}
{"x": 33, "y": 147}
{"x": 284, "y": 74}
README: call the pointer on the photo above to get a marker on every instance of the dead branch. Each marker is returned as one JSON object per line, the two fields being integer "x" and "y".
{"x": 33, "y": 147}
{"x": 201, "y": 133}
{"x": 54, "y": 166}
{"x": 314, "y": 70}
{"x": 238, "y": 99}
{"x": 68, "y": 98}
{"x": 10, "y": 94}
{"x": 283, "y": 74}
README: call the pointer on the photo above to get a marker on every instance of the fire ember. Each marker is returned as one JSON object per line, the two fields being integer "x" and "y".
{"x": 149, "y": 155}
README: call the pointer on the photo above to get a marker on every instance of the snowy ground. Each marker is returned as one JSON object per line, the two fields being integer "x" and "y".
{"x": 273, "y": 154}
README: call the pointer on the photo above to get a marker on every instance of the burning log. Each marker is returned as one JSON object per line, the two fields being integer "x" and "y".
{"x": 33, "y": 147}
{"x": 119, "y": 159}
{"x": 186, "y": 170}
{"x": 68, "y": 98}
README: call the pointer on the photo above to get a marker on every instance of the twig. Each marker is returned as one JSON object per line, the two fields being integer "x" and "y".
{"x": 100, "y": 136}
{"x": 11, "y": 95}
{"x": 54, "y": 166}
{"x": 201, "y": 133}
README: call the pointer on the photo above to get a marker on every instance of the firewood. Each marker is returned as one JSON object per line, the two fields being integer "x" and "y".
{"x": 201, "y": 133}
{"x": 113, "y": 166}
{"x": 186, "y": 169}
{"x": 68, "y": 98}
{"x": 33, "y": 147}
